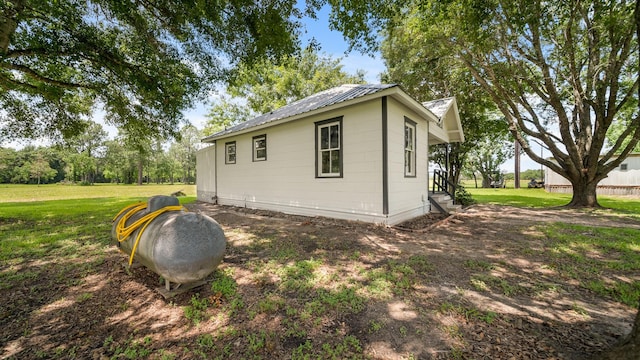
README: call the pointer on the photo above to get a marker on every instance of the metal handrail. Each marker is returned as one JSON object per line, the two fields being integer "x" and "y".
{"x": 441, "y": 183}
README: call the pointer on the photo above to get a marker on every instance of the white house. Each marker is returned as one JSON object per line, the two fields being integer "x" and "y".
{"x": 356, "y": 152}
{"x": 624, "y": 180}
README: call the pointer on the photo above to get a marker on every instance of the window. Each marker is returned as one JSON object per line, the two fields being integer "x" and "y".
{"x": 409, "y": 148}
{"x": 329, "y": 148}
{"x": 260, "y": 148}
{"x": 623, "y": 167}
{"x": 230, "y": 152}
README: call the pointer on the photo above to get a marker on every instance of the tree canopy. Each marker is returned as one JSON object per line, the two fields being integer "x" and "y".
{"x": 561, "y": 72}
{"x": 141, "y": 62}
{"x": 427, "y": 73}
{"x": 268, "y": 84}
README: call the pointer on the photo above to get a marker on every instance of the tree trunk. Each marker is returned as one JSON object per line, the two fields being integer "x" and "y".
{"x": 140, "y": 169}
{"x": 628, "y": 348}
{"x": 584, "y": 193}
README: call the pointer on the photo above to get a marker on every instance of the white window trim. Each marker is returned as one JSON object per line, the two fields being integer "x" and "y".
{"x": 256, "y": 148}
{"x": 227, "y": 147}
{"x": 319, "y": 126}
{"x": 409, "y": 151}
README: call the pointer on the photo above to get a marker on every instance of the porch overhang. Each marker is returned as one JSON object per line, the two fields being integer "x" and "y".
{"x": 447, "y": 128}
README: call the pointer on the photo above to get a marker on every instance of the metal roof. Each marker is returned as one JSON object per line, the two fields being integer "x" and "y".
{"x": 438, "y": 107}
{"x": 316, "y": 101}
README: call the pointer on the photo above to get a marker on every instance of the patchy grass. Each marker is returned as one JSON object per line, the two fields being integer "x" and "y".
{"x": 591, "y": 255}
{"x": 304, "y": 288}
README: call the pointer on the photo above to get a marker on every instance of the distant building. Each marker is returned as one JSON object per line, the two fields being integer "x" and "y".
{"x": 624, "y": 180}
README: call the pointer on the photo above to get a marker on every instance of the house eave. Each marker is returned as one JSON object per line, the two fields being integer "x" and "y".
{"x": 395, "y": 92}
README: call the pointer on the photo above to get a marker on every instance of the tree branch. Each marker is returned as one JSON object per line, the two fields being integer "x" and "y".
{"x": 635, "y": 139}
{"x": 8, "y": 22}
{"x": 12, "y": 54}
{"x": 32, "y": 73}
{"x": 15, "y": 84}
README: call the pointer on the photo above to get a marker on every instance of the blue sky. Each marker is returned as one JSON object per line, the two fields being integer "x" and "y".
{"x": 332, "y": 43}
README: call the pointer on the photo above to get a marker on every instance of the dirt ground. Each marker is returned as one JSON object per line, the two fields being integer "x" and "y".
{"x": 94, "y": 308}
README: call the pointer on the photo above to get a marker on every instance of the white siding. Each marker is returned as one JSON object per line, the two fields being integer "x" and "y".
{"x": 206, "y": 174}
{"x": 408, "y": 196}
{"x": 287, "y": 181}
{"x": 620, "y": 182}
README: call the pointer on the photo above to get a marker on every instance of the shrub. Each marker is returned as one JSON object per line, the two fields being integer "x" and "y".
{"x": 463, "y": 197}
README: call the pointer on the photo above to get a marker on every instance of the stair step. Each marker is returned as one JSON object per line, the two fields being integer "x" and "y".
{"x": 445, "y": 202}
{"x": 441, "y": 198}
{"x": 454, "y": 208}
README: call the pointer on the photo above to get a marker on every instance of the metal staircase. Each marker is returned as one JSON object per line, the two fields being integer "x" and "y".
{"x": 442, "y": 194}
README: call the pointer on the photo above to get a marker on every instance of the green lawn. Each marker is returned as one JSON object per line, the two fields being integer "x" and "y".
{"x": 22, "y": 193}
{"x": 539, "y": 198}
{"x": 78, "y": 220}
{"x": 62, "y": 234}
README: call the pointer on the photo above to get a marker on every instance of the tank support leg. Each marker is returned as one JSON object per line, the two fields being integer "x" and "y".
{"x": 167, "y": 285}
{"x": 168, "y": 291}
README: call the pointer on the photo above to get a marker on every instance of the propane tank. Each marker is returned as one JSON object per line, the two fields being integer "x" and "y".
{"x": 180, "y": 246}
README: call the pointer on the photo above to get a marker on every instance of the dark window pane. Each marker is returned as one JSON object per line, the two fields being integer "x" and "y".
{"x": 326, "y": 164}
{"x": 261, "y": 153}
{"x": 335, "y": 136}
{"x": 261, "y": 143}
{"x": 335, "y": 161}
{"x": 406, "y": 137}
{"x": 232, "y": 157}
{"x": 324, "y": 138}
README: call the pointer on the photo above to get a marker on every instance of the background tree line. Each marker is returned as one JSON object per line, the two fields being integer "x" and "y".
{"x": 92, "y": 157}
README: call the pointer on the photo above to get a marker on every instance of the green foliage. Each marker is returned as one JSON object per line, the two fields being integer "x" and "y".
{"x": 31, "y": 165}
{"x": 467, "y": 313}
{"x": 587, "y": 254}
{"x": 144, "y": 62}
{"x": 485, "y": 282}
{"x": 84, "y": 297}
{"x": 197, "y": 309}
{"x": 89, "y": 158}
{"x": 463, "y": 197}
{"x": 131, "y": 349}
{"x": 224, "y": 284}
{"x": 374, "y": 326}
{"x": 268, "y": 84}
{"x": 488, "y": 154}
{"x": 300, "y": 275}
{"x": 271, "y": 303}
{"x": 396, "y": 277}
{"x": 206, "y": 341}
{"x": 224, "y": 114}
{"x": 559, "y": 72}
{"x": 183, "y": 152}
{"x": 433, "y": 74}
{"x": 478, "y": 265}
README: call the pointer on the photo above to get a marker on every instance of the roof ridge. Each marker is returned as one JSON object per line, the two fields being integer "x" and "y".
{"x": 325, "y": 98}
